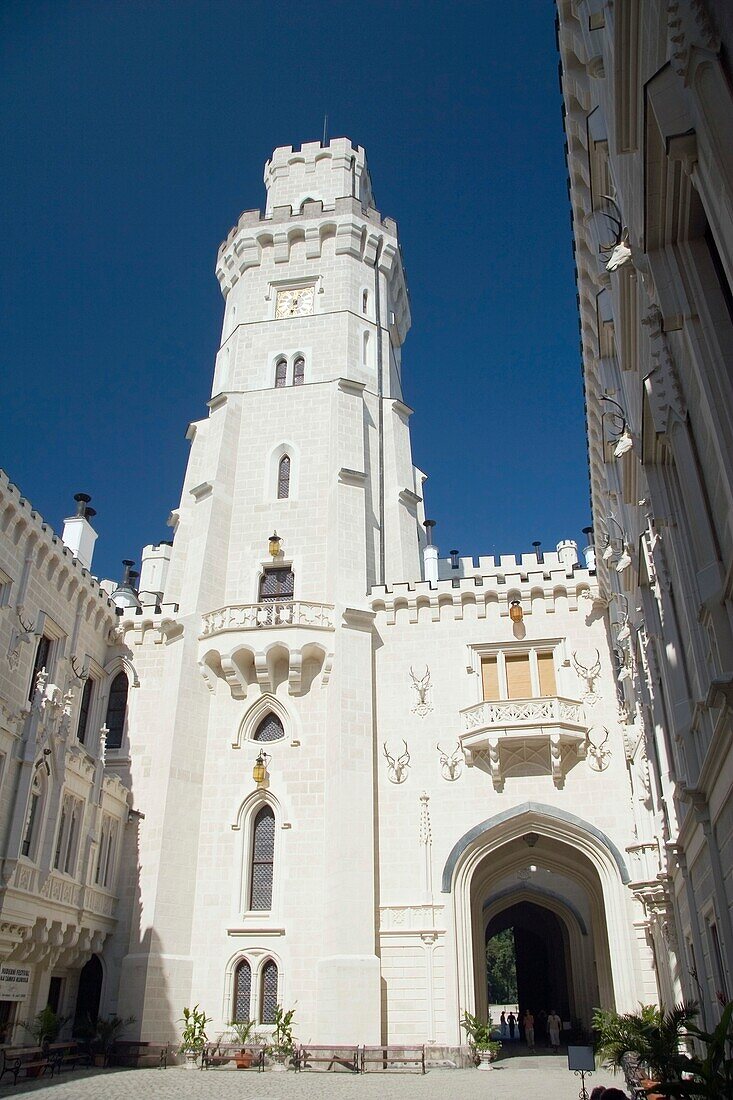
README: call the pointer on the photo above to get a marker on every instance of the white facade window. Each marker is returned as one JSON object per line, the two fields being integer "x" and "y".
{"x": 116, "y": 710}
{"x": 281, "y": 373}
{"x": 106, "y": 852}
{"x": 255, "y": 991}
{"x": 85, "y": 709}
{"x": 283, "y": 478}
{"x": 524, "y": 675}
{"x": 67, "y": 837}
{"x": 242, "y": 1008}
{"x": 299, "y": 371}
{"x": 33, "y": 817}
{"x": 42, "y": 659}
{"x": 262, "y": 861}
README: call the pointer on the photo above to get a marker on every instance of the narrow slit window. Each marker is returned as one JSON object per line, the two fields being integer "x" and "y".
{"x": 116, "y": 711}
{"x": 299, "y": 371}
{"x": 269, "y": 992}
{"x": 242, "y": 992}
{"x": 42, "y": 660}
{"x": 281, "y": 373}
{"x": 84, "y": 709}
{"x": 365, "y": 302}
{"x": 283, "y": 478}
{"x": 365, "y": 348}
{"x": 263, "y": 856}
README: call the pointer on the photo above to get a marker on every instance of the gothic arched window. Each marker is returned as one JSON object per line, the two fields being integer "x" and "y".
{"x": 33, "y": 816}
{"x": 116, "y": 711}
{"x": 269, "y": 729}
{"x": 365, "y": 302}
{"x": 242, "y": 992}
{"x": 283, "y": 478}
{"x": 268, "y": 997}
{"x": 281, "y": 373}
{"x": 299, "y": 371}
{"x": 263, "y": 857}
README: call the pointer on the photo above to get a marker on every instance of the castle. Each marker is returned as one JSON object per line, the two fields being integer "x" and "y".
{"x": 349, "y": 761}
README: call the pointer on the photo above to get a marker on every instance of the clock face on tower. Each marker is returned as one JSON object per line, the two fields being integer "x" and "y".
{"x": 295, "y": 303}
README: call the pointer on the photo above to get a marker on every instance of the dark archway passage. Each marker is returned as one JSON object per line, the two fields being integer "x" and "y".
{"x": 88, "y": 995}
{"x": 540, "y": 943}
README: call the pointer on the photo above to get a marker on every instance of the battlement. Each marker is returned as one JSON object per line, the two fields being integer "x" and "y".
{"x": 21, "y": 521}
{"x": 312, "y": 211}
{"x": 315, "y": 171}
{"x": 490, "y": 583}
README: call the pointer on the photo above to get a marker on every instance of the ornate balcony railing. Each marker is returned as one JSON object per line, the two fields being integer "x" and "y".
{"x": 516, "y": 713}
{"x": 275, "y": 613}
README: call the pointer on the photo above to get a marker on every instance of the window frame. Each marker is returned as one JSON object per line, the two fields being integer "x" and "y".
{"x": 253, "y": 862}
{"x": 34, "y": 814}
{"x": 257, "y": 959}
{"x": 114, "y": 675}
{"x": 85, "y": 715}
{"x": 284, "y": 482}
{"x": 68, "y": 834}
{"x": 267, "y": 570}
{"x": 244, "y": 824}
{"x": 479, "y": 653}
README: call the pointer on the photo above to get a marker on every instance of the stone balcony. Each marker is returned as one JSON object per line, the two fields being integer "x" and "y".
{"x": 524, "y": 737}
{"x": 266, "y": 643}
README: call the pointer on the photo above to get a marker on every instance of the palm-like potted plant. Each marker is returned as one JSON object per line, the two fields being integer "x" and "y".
{"x": 107, "y": 1030}
{"x": 705, "y": 1076}
{"x": 245, "y": 1033}
{"x": 485, "y": 1050}
{"x": 44, "y": 1028}
{"x": 653, "y": 1035}
{"x": 282, "y": 1046}
{"x": 193, "y": 1034}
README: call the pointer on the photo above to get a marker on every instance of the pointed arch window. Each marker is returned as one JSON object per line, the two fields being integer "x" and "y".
{"x": 33, "y": 818}
{"x": 116, "y": 711}
{"x": 263, "y": 858}
{"x": 299, "y": 371}
{"x": 242, "y": 992}
{"x": 283, "y": 478}
{"x": 268, "y": 997}
{"x": 269, "y": 729}
{"x": 281, "y": 373}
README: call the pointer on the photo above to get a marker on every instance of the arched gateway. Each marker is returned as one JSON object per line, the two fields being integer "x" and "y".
{"x": 560, "y": 883}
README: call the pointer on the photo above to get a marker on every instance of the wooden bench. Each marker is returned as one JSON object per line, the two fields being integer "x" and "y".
{"x": 346, "y": 1057}
{"x": 389, "y": 1057}
{"x": 220, "y": 1054}
{"x": 69, "y": 1054}
{"x": 38, "y": 1060}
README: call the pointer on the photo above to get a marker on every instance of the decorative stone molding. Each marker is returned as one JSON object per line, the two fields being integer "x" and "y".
{"x": 262, "y": 616}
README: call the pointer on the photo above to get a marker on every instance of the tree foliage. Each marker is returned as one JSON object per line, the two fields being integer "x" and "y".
{"x": 501, "y": 968}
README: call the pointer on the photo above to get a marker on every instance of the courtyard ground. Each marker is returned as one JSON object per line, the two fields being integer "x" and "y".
{"x": 522, "y": 1077}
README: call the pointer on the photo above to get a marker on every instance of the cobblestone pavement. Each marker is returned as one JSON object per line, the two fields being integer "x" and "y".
{"x": 519, "y": 1078}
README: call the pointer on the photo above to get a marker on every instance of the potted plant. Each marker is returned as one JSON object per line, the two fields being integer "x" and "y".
{"x": 282, "y": 1047}
{"x": 193, "y": 1035}
{"x": 107, "y": 1031}
{"x": 485, "y": 1050}
{"x": 244, "y": 1032}
{"x": 44, "y": 1028}
{"x": 653, "y": 1035}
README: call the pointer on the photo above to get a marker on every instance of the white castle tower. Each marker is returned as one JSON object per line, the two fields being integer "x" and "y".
{"x": 306, "y": 439}
{"x": 348, "y": 778}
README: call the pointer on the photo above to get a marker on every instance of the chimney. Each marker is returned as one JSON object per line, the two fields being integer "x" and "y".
{"x": 430, "y": 555}
{"x": 567, "y": 552}
{"x": 124, "y": 595}
{"x": 589, "y": 553}
{"x": 79, "y": 535}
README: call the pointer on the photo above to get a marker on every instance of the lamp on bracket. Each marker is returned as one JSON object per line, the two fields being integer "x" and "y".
{"x": 259, "y": 771}
{"x": 274, "y": 544}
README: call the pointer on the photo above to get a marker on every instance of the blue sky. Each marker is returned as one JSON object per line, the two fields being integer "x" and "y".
{"x": 134, "y": 134}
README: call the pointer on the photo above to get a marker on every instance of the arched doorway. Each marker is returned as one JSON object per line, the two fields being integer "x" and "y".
{"x": 541, "y": 946}
{"x": 88, "y": 994}
{"x": 547, "y": 870}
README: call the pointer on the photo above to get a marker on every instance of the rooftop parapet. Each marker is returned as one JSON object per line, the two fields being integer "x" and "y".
{"x": 317, "y": 171}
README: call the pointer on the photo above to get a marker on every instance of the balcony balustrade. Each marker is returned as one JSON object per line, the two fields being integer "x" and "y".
{"x": 524, "y": 737}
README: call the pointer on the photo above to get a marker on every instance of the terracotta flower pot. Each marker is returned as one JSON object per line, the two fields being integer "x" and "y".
{"x": 243, "y": 1059}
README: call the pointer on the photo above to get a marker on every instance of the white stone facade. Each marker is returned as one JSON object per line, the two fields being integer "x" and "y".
{"x": 648, "y": 118}
{"x": 399, "y": 800}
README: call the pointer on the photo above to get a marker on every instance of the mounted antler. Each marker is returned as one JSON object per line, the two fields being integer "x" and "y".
{"x": 450, "y": 765}
{"x": 619, "y": 246}
{"x": 421, "y": 685}
{"x": 82, "y": 673}
{"x": 27, "y": 627}
{"x": 588, "y": 673}
{"x": 397, "y": 769}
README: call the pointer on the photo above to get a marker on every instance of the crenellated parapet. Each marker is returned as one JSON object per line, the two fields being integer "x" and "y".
{"x": 490, "y": 587}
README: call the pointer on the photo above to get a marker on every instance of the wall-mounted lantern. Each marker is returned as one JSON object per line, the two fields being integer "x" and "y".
{"x": 259, "y": 771}
{"x": 274, "y": 544}
{"x": 515, "y": 611}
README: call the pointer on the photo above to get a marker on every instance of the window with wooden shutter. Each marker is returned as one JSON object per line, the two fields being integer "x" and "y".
{"x": 518, "y": 676}
{"x": 546, "y": 668}
{"x": 490, "y": 677}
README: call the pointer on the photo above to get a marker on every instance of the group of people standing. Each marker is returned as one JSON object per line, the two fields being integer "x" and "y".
{"x": 549, "y": 1026}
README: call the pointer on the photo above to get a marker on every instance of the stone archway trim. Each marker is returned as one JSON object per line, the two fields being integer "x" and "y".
{"x": 538, "y": 892}
{"x": 526, "y": 808}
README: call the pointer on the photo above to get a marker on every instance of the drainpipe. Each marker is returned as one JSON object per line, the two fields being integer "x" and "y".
{"x": 380, "y": 415}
